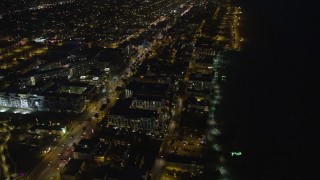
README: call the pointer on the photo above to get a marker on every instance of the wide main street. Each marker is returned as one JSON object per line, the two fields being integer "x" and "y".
{"x": 49, "y": 166}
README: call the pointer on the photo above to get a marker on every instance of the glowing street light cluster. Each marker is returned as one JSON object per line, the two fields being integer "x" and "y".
{"x": 236, "y": 153}
{"x": 214, "y": 130}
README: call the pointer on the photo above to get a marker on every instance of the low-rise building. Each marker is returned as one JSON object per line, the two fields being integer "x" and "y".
{"x": 84, "y": 149}
{"x": 48, "y": 129}
{"x": 72, "y": 169}
{"x": 198, "y": 81}
{"x": 204, "y": 64}
{"x": 99, "y": 153}
{"x": 110, "y": 59}
{"x": 94, "y": 77}
{"x": 66, "y": 102}
{"x": 199, "y": 103}
{"x": 85, "y": 89}
{"x": 204, "y": 47}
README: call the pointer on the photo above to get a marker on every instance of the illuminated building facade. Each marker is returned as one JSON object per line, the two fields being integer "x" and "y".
{"x": 122, "y": 115}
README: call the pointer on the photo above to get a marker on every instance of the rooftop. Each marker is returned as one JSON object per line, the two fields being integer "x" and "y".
{"x": 201, "y": 77}
{"x": 147, "y": 98}
{"x": 110, "y": 55}
{"x": 87, "y": 142}
{"x": 47, "y": 127}
{"x": 122, "y": 107}
{"x": 140, "y": 88}
{"x": 73, "y": 167}
{"x": 206, "y": 59}
{"x": 83, "y": 149}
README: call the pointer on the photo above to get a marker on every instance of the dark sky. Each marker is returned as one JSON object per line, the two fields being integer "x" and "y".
{"x": 279, "y": 136}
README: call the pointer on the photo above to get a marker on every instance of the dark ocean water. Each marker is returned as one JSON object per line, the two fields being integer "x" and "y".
{"x": 268, "y": 100}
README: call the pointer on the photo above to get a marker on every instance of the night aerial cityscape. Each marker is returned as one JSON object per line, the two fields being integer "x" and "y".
{"x": 153, "y": 90}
